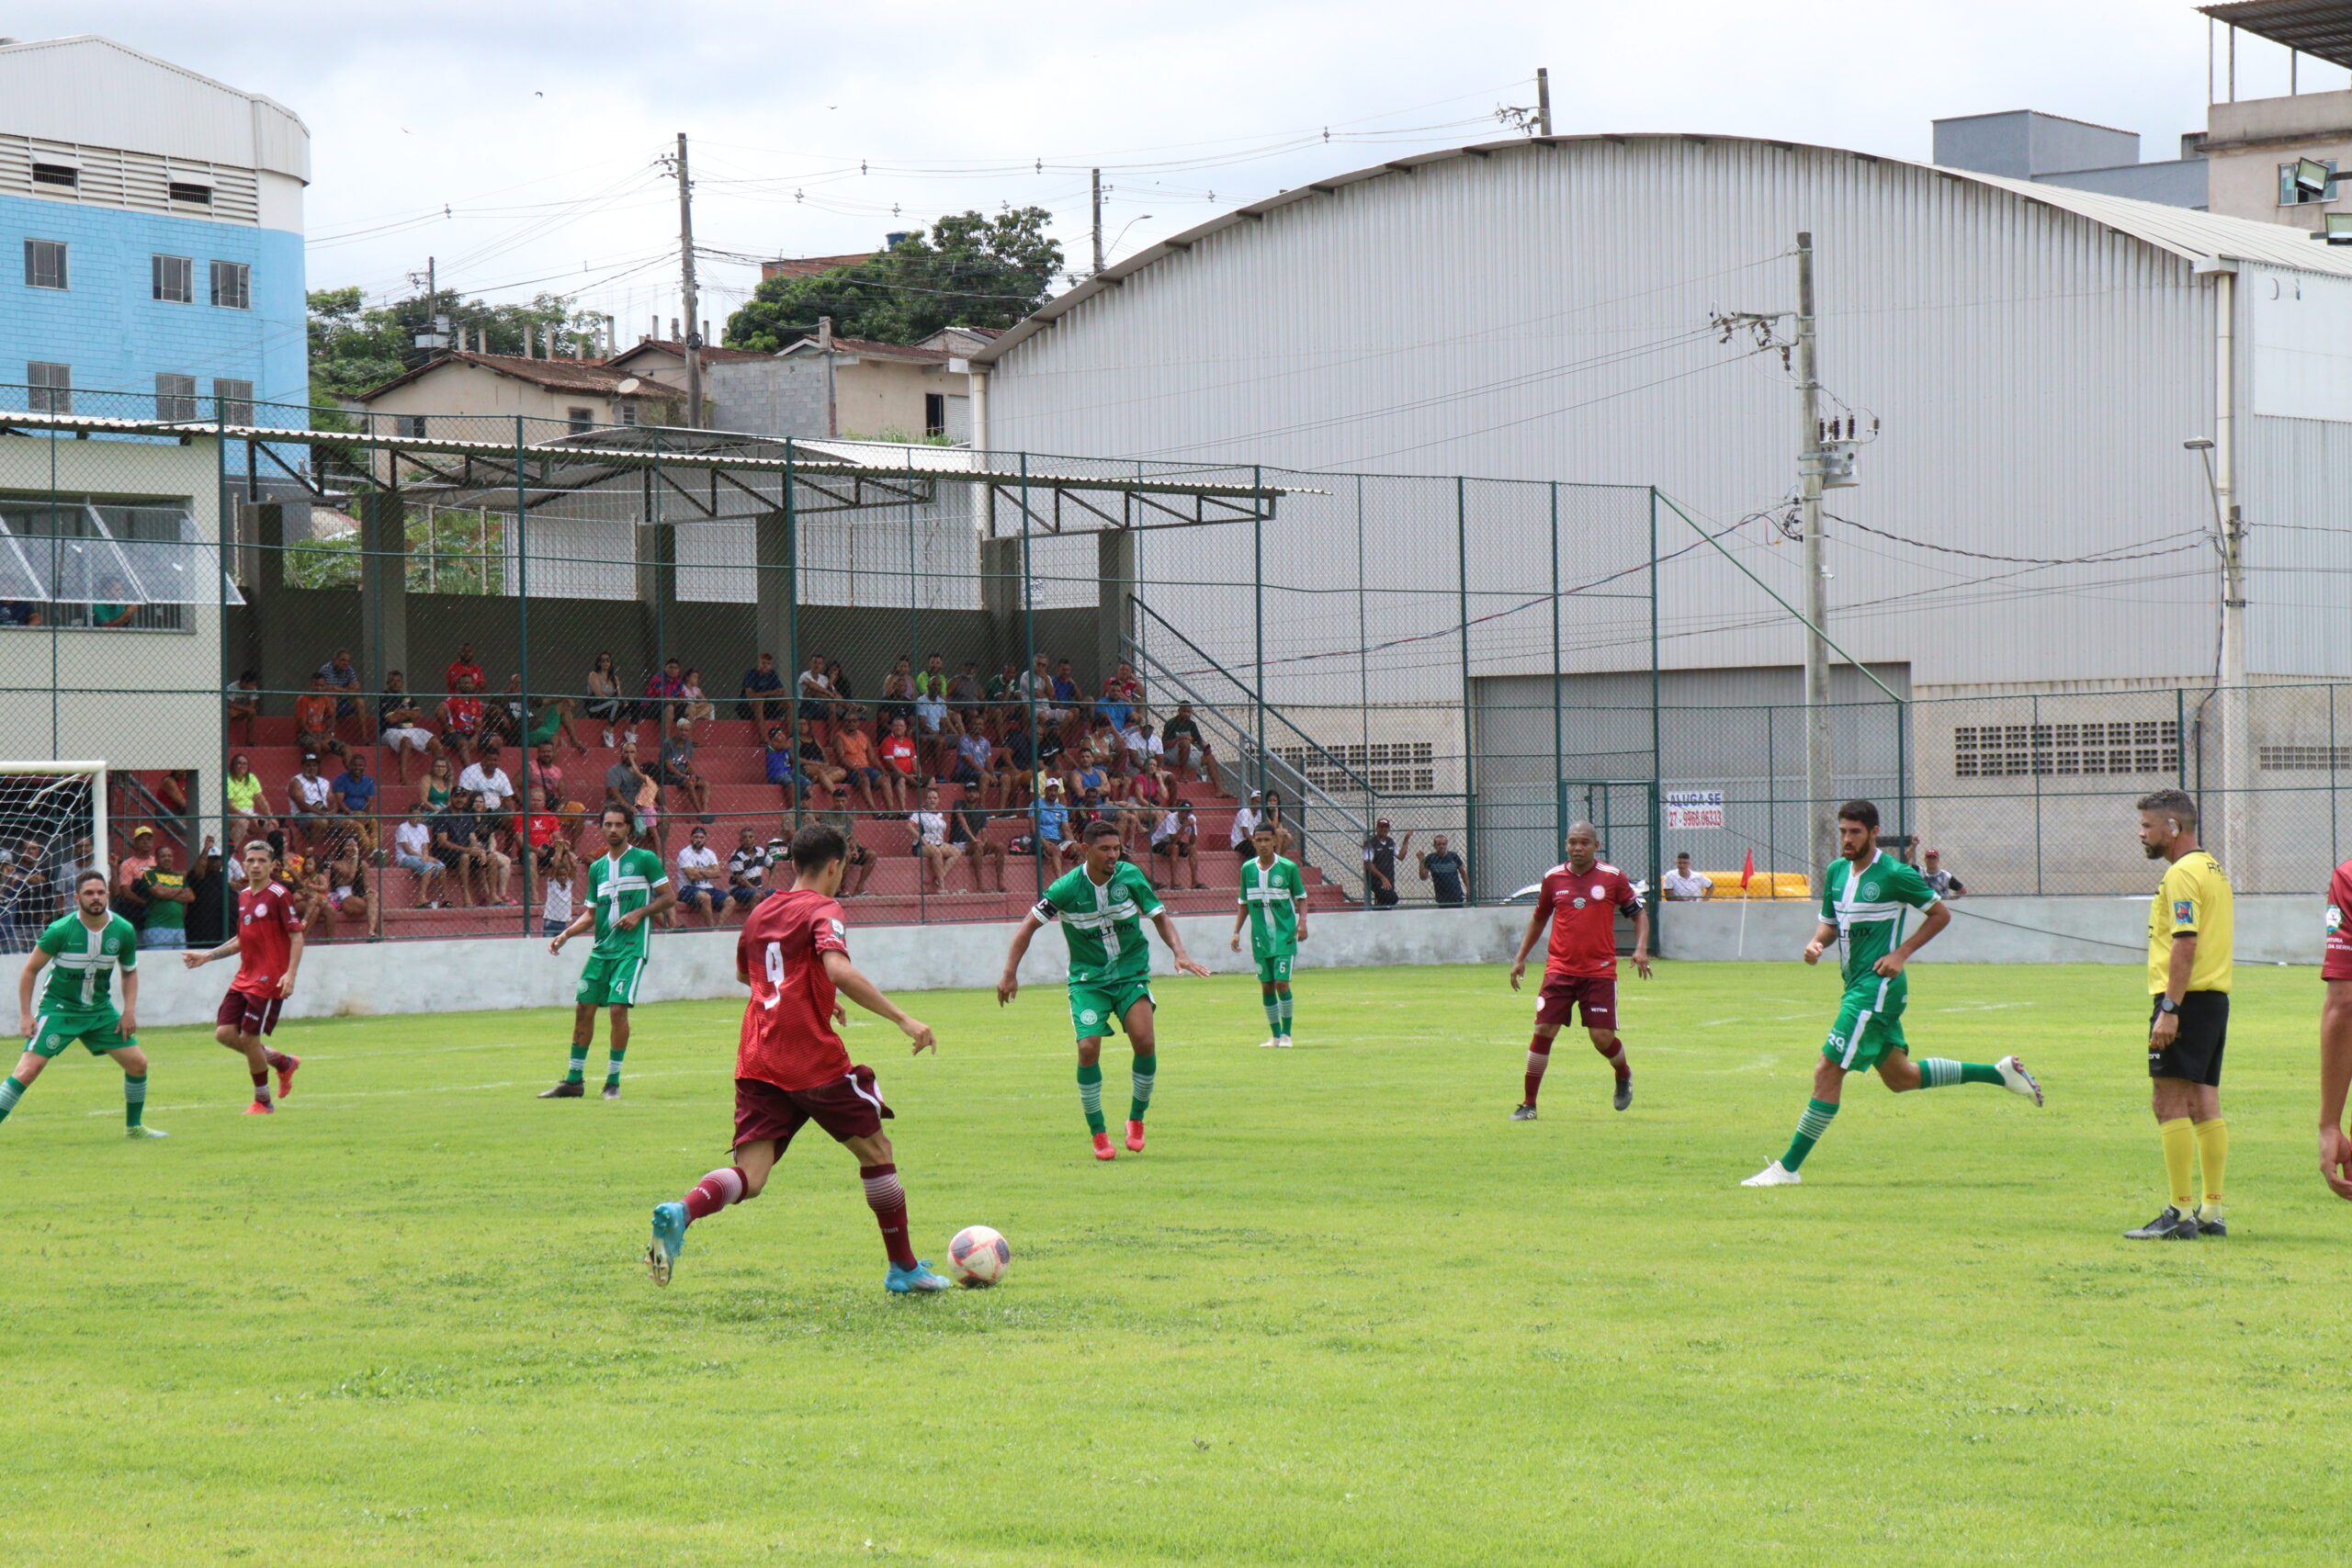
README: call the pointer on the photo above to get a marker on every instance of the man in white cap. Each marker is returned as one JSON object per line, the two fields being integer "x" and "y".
{"x": 1245, "y": 824}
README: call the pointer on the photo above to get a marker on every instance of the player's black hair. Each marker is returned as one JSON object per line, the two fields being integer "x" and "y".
{"x": 629, "y": 817}
{"x": 816, "y": 846}
{"x": 87, "y": 875}
{"x": 1099, "y": 830}
{"x": 1860, "y": 811}
{"x": 2178, "y": 804}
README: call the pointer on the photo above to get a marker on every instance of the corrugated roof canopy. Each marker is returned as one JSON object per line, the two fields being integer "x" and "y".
{"x": 2321, "y": 29}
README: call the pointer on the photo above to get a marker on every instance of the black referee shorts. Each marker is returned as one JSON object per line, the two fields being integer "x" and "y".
{"x": 2195, "y": 1053}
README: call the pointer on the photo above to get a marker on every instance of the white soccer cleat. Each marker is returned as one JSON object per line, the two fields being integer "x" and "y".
{"x": 2016, "y": 1080}
{"x": 1270, "y": 1043}
{"x": 1773, "y": 1175}
{"x": 1282, "y": 1042}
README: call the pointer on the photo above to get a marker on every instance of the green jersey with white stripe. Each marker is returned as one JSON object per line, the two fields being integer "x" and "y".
{"x": 82, "y": 964}
{"x": 617, "y": 886}
{"x": 1870, "y": 906}
{"x": 1104, "y": 923}
{"x": 1272, "y": 894}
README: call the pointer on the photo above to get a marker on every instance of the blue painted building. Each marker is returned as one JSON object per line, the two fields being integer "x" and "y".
{"x": 150, "y": 239}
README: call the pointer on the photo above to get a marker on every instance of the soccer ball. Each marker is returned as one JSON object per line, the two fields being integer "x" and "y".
{"x": 979, "y": 1256}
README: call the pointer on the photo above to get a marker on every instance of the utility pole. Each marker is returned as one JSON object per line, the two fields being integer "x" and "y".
{"x": 1098, "y": 223}
{"x": 1542, "y": 101}
{"x": 693, "y": 346}
{"x": 1817, "y": 766}
{"x": 2237, "y": 748}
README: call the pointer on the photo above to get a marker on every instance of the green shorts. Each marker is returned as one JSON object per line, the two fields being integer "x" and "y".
{"x": 98, "y": 1032}
{"x": 610, "y": 980}
{"x": 1093, "y": 1008}
{"x": 1273, "y": 969}
{"x": 1870, "y": 1024}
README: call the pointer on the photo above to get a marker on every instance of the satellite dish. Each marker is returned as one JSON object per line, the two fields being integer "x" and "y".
{"x": 628, "y": 384}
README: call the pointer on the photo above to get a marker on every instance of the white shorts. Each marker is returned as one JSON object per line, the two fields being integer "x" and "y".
{"x": 408, "y": 735}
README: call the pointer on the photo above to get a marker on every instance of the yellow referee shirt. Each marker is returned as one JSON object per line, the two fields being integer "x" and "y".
{"x": 2192, "y": 900}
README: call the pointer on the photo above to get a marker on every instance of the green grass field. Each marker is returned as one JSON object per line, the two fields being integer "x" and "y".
{"x": 1340, "y": 1312}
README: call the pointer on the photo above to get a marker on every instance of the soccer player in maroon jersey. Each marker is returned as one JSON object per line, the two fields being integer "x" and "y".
{"x": 791, "y": 1068}
{"x": 268, "y": 950}
{"x": 2335, "y": 1036}
{"x": 1580, "y": 897}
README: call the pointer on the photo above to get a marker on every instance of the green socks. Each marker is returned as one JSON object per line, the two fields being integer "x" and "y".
{"x": 1816, "y": 1121}
{"x": 1090, "y": 1093}
{"x": 613, "y": 1065}
{"x": 1274, "y": 1014}
{"x": 1936, "y": 1072}
{"x": 579, "y": 1063}
{"x": 1283, "y": 1002}
{"x": 134, "y": 1099}
{"x": 10, "y": 1092}
{"x": 1145, "y": 1069}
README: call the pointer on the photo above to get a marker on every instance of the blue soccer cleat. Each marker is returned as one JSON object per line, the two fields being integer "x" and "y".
{"x": 916, "y": 1281}
{"x": 669, "y": 1240}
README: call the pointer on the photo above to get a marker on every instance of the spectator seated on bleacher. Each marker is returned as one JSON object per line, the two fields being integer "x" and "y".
{"x": 310, "y": 797}
{"x": 759, "y": 683}
{"x": 900, "y": 768}
{"x": 747, "y": 869}
{"x": 975, "y": 765}
{"x": 354, "y": 797}
{"x": 248, "y": 801}
{"x": 314, "y": 720}
{"x": 463, "y": 716}
{"x": 604, "y": 704}
{"x": 243, "y": 702}
{"x": 861, "y": 858}
{"x": 967, "y": 834}
{"x": 663, "y": 690}
{"x": 698, "y": 884}
{"x": 1187, "y": 748}
{"x": 898, "y": 694}
{"x": 1121, "y": 697}
{"x": 462, "y": 669}
{"x": 678, "y": 771}
{"x": 400, "y": 725}
{"x": 413, "y": 853}
{"x": 340, "y": 676}
{"x": 1177, "y": 838}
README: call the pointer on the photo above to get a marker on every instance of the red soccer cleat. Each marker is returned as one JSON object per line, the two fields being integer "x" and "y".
{"x": 286, "y": 1076}
{"x": 1134, "y": 1137}
{"x": 261, "y": 1108}
{"x": 1103, "y": 1149}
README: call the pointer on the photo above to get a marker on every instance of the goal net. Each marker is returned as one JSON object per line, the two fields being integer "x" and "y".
{"x": 52, "y": 827}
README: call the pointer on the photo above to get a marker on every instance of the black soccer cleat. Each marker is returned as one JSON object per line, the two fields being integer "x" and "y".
{"x": 2213, "y": 1226}
{"x": 2170, "y": 1225}
{"x": 1523, "y": 1113}
{"x": 612, "y": 1091}
{"x": 564, "y": 1090}
{"x": 1624, "y": 1095}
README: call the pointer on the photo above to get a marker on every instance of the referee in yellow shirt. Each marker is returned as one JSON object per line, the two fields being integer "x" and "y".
{"x": 2188, "y": 976}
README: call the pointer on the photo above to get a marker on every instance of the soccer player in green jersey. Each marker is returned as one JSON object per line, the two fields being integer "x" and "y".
{"x": 1273, "y": 906}
{"x": 1867, "y": 897}
{"x": 1102, "y": 906}
{"x": 82, "y": 953}
{"x": 627, "y": 888}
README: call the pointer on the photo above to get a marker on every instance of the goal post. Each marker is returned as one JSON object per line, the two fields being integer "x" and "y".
{"x": 47, "y": 809}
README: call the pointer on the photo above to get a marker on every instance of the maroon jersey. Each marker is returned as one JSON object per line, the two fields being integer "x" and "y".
{"x": 2337, "y": 964}
{"x": 788, "y": 1038}
{"x": 266, "y": 924}
{"x": 1583, "y": 912}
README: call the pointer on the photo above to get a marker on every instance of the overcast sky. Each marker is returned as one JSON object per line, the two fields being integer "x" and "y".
{"x": 538, "y": 126}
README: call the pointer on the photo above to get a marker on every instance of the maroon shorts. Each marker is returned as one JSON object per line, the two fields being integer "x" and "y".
{"x": 1596, "y": 995}
{"x": 249, "y": 1014}
{"x": 849, "y": 1106}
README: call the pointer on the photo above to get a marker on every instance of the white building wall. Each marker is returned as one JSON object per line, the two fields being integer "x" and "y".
{"x": 1541, "y": 312}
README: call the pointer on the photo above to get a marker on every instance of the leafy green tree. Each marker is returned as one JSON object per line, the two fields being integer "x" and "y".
{"x": 969, "y": 270}
{"x": 355, "y": 347}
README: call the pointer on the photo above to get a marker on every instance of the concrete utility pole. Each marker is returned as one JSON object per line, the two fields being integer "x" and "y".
{"x": 2237, "y": 748}
{"x": 1542, "y": 101}
{"x": 1818, "y": 784}
{"x": 1098, "y": 223}
{"x": 692, "y": 344}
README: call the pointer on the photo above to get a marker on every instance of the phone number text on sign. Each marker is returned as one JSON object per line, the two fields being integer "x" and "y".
{"x": 1689, "y": 808}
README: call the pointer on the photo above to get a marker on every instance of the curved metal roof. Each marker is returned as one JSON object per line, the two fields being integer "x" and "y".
{"x": 2203, "y": 239}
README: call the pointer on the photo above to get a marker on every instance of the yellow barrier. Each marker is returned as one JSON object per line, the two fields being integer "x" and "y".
{"x": 1763, "y": 885}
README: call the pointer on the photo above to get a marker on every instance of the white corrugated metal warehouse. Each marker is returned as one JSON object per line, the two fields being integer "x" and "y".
{"x": 1539, "y": 310}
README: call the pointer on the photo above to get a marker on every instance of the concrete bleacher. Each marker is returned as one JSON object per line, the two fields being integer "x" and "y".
{"x": 729, "y": 755}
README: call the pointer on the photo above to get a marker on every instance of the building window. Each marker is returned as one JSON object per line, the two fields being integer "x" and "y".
{"x": 2304, "y": 759}
{"x": 61, "y": 174}
{"x": 175, "y": 396}
{"x": 583, "y": 420}
{"x": 2293, "y": 192}
{"x": 232, "y": 286}
{"x": 234, "y": 400}
{"x": 628, "y": 413}
{"x": 174, "y": 278}
{"x": 194, "y": 195}
{"x": 1395, "y": 767}
{"x": 2003, "y": 751}
{"x": 409, "y": 424}
{"x": 45, "y": 263}
{"x": 51, "y": 385}
{"x": 934, "y": 413}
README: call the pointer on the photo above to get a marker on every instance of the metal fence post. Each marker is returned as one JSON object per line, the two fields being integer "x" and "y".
{"x": 792, "y": 627}
{"x": 2033, "y": 767}
{"x": 1469, "y": 737}
{"x": 1559, "y": 827}
{"x": 522, "y": 660}
{"x": 1258, "y": 593}
{"x": 1657, "y": 744}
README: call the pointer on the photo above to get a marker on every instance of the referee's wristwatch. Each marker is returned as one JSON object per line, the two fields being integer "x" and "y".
{"x": 2165, "y": 1004}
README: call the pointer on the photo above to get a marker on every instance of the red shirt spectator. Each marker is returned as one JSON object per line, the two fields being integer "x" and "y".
{"x": 788, "y": 1038}
{"x": 463, "y": 666}
{"x": 899, "y": 753}
{"x": 2337, "y": 964}
{"x": 1583, "y": 912}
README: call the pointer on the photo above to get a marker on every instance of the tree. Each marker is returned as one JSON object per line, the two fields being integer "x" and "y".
{"x": 969, "y": 270}
{"x": 353, "y": 347}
